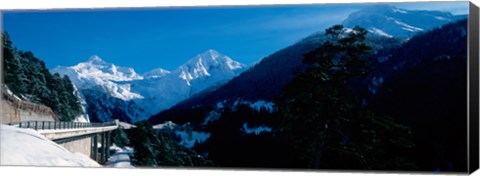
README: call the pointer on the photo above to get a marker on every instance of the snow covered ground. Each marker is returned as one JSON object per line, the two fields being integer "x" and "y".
{"x": 27, "y": 147}
{"x": 256, "y": 130}
{"x": 187, "y": 136}
{"x": 188, "y": 139}
{"x": 121, "y": 157}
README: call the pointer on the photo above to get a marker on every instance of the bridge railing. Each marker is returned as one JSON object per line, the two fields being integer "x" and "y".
{"x": 50, "y": 125}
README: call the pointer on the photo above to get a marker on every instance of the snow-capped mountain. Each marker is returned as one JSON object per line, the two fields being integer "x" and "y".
{"x": 96, "y": 72}
{"x": 391, "y": 21}
{"x": 206, "y": 64}
{"x": 202, "y": 71}
{"x": 118, "y": 92}
{"x": 266, "y": 79}
{"x": 156, "y": 73}
{"x": 208, "y": 68}
{"x": 97, "y": 68}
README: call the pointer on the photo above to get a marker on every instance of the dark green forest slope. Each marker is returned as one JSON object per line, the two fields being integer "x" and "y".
{"x": 28, "y": 78}
{"x": 425, "y": 87}
{"x": 404, "y": 110}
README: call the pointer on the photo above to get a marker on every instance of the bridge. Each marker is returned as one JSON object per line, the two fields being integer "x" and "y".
{"x": 91, "y": 139}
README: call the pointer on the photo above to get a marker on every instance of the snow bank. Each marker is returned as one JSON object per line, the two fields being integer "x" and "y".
{"x": 26, "y": 147}
{"x": 256, "y": 130}
{"x": 121, "y": 157}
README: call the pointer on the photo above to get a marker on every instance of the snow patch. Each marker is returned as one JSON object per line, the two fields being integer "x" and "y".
{"x": 220, "y": 105}
{"x": 168, "y": 125}
{"x": 441, "y": 18}
{"x": 256, "y": 130}
{"x": 397, "y": 10}
{"x": 269, "y": 106}
{"x": 398, "y": 22}
{"x": 10, "y": 93}
{"x": 258, "y": 105}
{"x": 120, "y": 158}
{"x": 212, "y": 116}
{"x": 84, "y": 116}
{"x": 27, "y": 147}
{"x": 380, "y": 32}
{"x": 188, "y": 138}
{"x": 406, "y": 26}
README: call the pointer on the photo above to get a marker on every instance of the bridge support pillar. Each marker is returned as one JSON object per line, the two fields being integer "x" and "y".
{"x": 102, "y": 150}
{"x": 109, "y": 143}
{"x": 105, "y": 148}
{"x": 95, "y": 147}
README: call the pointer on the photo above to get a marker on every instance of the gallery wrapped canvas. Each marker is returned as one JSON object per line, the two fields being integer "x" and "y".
{"x": 355, "y": 87}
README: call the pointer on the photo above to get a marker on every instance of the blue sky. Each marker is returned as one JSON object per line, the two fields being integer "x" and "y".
{"x": 150, "y": 38}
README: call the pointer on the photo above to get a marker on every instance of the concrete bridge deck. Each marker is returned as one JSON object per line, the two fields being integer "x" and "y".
{"x": 71, "y": 133}
{"x": 91, "y": 139}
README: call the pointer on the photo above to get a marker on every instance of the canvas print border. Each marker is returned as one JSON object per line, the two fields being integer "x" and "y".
{"x": 472, "y": 100}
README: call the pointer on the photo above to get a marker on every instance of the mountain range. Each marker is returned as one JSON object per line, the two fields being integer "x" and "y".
{"x": 417, "y": 78}
{"x": 265, "y": 80}
{"x": 113, "y": 91}
{"x": 419, "y": 82}
{"x": 391, "y": 21}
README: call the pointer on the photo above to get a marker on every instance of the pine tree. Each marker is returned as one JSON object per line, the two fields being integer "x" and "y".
{"x": 11, "y": 66}
{"x": 325, "y": 123}
{"x": 143, "y": 140}
{"x": 120, "y": 137}
{"x": 157, "y": 149}
{"x": 28, "y": 77}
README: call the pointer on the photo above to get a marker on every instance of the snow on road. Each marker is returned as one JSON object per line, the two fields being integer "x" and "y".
{"x": 121, "y": 157}
{"x": 27, "y": 147}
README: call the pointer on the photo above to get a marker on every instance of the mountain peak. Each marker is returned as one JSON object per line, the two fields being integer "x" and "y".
{"x": 156, "y": 73}
{"x": 390, "y": 21}
{"x": 213, "y": 58}
{"x": 208, "y": 57}
{"x": 209, "y": 54}
{"x": 97, "y": 71}
{"x": 207, "y": 62}
{"x": 383, "y": 9}
{"x": 377, "y": 7}
{"x": 95, "y": 59}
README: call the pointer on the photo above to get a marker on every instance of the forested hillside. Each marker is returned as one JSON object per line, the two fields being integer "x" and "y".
{"x": 425, "y": 87}
{"x": 265, "y": 80}
{"x": 28, "y": 78}
{"x": 406, "y": 102}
